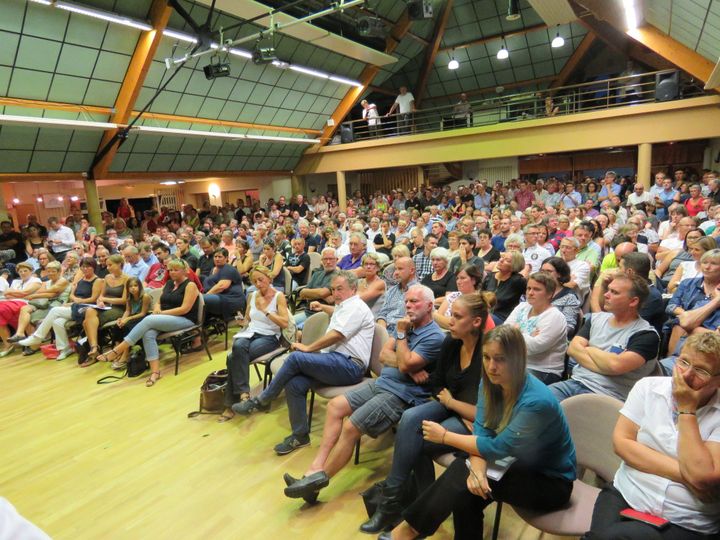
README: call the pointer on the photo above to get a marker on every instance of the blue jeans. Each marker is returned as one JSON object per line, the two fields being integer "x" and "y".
{"x": 238, "y": 363}
{"x": 149, "y": 328}
{"x": 412, "y": 451}
{"x": 301, "y": 372}
{"x": 225, "y": 306}
{"x": 565, "y": 389}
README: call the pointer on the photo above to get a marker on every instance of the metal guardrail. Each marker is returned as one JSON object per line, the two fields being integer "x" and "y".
{"x": 624, "y": 91}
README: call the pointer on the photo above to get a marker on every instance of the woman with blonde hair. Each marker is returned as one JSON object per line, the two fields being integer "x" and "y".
{"x": 371, "y": 288}
{"x": 690, "y": 269}
{"x": 516, "y": 415}
{"x": 507, "y": 284}
{"x": 266, "y": 316}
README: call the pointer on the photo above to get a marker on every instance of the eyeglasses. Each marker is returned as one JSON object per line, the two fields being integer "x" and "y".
{"x": 701, "y": 373}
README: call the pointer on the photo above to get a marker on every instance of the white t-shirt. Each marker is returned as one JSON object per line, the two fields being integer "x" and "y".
{"x": 545, "y": 337}
{"x": 534, "y": 256}
{"x": 354, "y": 320}
{"x": 580, "y": 273}
{"x": 634, "y": 198}
{"x": 672, "y": 243}
{"x": 650, "y": 406}
{"x": 404, "y": 102}
{"x": 371, "y": 114}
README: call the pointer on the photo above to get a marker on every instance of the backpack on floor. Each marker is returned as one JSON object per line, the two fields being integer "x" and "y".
{"x": 212, "y": 394}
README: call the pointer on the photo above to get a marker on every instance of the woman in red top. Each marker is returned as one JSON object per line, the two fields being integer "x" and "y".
{"x": 694, "y": 204}
{"x": 125, "y": 211}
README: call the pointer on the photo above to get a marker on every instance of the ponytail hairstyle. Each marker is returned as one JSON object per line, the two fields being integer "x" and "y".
{"x": 498, "y": 411}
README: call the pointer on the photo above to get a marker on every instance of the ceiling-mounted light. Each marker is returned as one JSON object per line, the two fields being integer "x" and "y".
{"x": 180, "y": 36}
{"x": 74, "y": 198}
{"x": 43, "y": 2}
{"x": 630, "y": 14}
{"x": 39, "y": 199}
{"x": 35, "y": 121}
{"x": 503, "y": 53}
{"x": 453, "y": 64}
{"x": 557, "y": 41}
{"x": 513, "y": 12}
{"x": 16, "y": 201}
{"x": 220, "y": 135}
{"x": 103, "y": 15}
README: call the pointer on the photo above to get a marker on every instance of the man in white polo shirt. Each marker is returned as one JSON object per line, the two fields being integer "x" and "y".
{"x": 405, "y": 102}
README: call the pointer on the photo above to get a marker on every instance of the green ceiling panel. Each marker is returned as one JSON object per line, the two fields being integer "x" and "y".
{"x": 249, "y": 71}
{"x": 271, "y": 76}
{"x": 212, "y": 146}
{"x": 138, "y": 162}
{"x": 544, "y": 69}
{"x": 249, "y": 113}
{"x": 76, "y": 60}
{"x": 16, "y": 161}
{"x": 281, "y": 118}
{"x": 198, "y": 84}
{"x": 265, "y": 115}
{"x": 29, "y": 84}
{"x": 266, "y": 163}
{"x": 53, "y": 139}
{"x": 169, "y": 145}
{"x": 296, "y": 118}
{"x": 135, "y": 8}
{"x": 183, "y": 162}
{"x": 38, "y": 54}
{"x": 523, "y": 73}
{"x": 253, "y": 163}
{"x": 17, "y": 138}
{"x": 88, "y": 141}
{"x": 13, "y": 13}
{"x": 237, "y": 163}
{"x": 44, "y": 161}
{"x": 111, "y": 66}
{"x": 211, "y": 108}
{"x": 191, "y": 145}
{"x": 259, "y": 94}
{"x": 230, "y": 111}
{"x": 302, "y": 83}
{"x": 306, "y": 102}
{"x": 67, "y": 89}
{"x": 222, "y": 88}
{"x": 155, "y": 75}
{"x": 220, "y": 163}
{"x": 77, "y": 161}
{"x": 321, "y": 106}
{"x": 189, "y": 105}
{"x": 246, "y": 148}
{"x": 287, "y": 79}
{"x": 9, "y": 47}
{"x": 277, "y": 98}
{"x": 179, "y": 81}
{"x": 161, "y": 162}
{"x": 166, "y": 102}
{"x": 119, "y": 40}
{"x": 242, "y": 91}
{"x": 118, "y": 163}
{"x": 202, "y": 163}
{"x": 89, "y": 32}
{"x": 102, "y": 93}
{"x": 5, "y": 73}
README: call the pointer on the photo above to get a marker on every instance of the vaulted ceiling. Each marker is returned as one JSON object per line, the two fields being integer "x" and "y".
{"x": 60, "y": 64}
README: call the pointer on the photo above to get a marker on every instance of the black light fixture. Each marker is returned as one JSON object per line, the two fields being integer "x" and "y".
{"x": 513, "y": 12}
{"x": 264, "y": 54}
{"x": 216, "y": 68}
{"x": 371, "y": 27}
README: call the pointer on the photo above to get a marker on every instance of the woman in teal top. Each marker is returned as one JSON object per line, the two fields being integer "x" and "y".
{"x": 517, "y": 416}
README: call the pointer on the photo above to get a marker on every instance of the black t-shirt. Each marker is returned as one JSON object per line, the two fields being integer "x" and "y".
{"x": 299, "y": 260}
{"x": 378, "y": 240}
{"x": 467, "y": 198}
{"x": 205, "y": 266}
{"x": 462, "y": 384}
{"x": 507, "y": 292}
{"x": 191, "y": 259}
{"x": 491, "y": 256}
{"x": 441, "y": 286}
{"x": 283, "y": 208}
{"x": 301, "y": 209}
{"x": 413, "y": 203}
{"x": 18, "y": 247}
{"x": 310, "y": 241}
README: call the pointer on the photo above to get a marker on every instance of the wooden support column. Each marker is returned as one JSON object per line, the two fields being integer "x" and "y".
{"x": 93, "y": 205}
{"x": 644, "y": 165}
{"x": 4, "y": 212}
{"x": 431, "y": 51}
{"x": 342, "y": 191}
{"x": 297, "y": 185}
{"x": 420, "y": 179}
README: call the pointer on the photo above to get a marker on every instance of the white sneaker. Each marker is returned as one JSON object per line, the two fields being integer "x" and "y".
{"x": 30, "y": 341}
{"x": 64, "y": 354}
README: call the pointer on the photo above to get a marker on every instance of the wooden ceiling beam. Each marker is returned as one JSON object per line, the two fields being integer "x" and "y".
{"x": 488, "y": 39}
{"x": 431, "y": 51}
{"x": 137, "y": 70}
{"x": 150, "y": 175}
{"x": 396, "y": 34}
{"x": 576, "y": 57}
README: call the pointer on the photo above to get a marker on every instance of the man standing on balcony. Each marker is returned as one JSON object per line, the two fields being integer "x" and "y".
{"x": 462, "y": 112}
{"x": 370, "y": 113}
{"x": 405, "y": 102}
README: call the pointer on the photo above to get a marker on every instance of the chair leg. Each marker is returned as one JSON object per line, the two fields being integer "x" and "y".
{"x": 310, "y": 412}
{"x": 227, "y": 331}
{"x": 257, "y": 371}
{"x": 496, "y": 525}
{"x": 176, "y": 346}
{"x": 357, "y": 452}
{"x": 204, "y": 341}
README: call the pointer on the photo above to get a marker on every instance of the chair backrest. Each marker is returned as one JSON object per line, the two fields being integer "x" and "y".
{"x": 379, "y": 338}
{"x": 592, "y": 419}
{"x": 155, "y": 295}
{"x": 315, "y": 261}
{"x": 315, "y": 327}
{"x": 201, "y": 310}
{"x": 287, "y": 276}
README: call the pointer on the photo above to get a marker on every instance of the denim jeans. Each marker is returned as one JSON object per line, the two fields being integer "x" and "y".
{"x": 569, "y": 388}
{"x": 149, "y": 328}
{"x": 238, "y": 363}
{"x": 301, "y": 372}
{"x": 226, "y": 307}
{"x": 412, "y": 451}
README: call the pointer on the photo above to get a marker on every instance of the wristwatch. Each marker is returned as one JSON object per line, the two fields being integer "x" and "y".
{"x": 400, "y": 335}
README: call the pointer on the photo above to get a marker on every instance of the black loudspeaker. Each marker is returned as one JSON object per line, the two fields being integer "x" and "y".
{"x": 667, "y": 86}
{"x": 419, "y": 10}
{"x": 346, "y": 133}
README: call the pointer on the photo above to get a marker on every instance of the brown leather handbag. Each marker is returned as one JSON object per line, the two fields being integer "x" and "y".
{"x": 212, "y": 394}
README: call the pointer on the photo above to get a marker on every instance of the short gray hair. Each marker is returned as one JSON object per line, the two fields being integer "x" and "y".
{"x": 350, "y": 278}
{"x": 515, "y": 239}
{"x": 425, "y": 292}
{"x": 359, "y": 236}
{"x": 329, "y": 250}
{"x": 440, "y": 253}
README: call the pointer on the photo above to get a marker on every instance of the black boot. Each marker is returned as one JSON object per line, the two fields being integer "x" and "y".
{"x": 388, "y": 512}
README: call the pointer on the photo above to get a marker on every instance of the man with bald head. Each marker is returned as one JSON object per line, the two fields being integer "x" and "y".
{"x": 612, "y": 260}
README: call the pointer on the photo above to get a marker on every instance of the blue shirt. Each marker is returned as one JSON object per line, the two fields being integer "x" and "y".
{"x": 426, "y": 342}
{"x": 537, "y": 434}
{"x": 394, "y": 307}
{"x": 615, "y": 190}
{"x": 482, "y": 202}
{"x": 347, "y": 263}
{"x": 138, "y": 270}
{"x": 689, "y": 295}
{"x": 498, "y": 242}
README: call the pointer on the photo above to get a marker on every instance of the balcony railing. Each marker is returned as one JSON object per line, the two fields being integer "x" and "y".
{"x": 624, "y": 91}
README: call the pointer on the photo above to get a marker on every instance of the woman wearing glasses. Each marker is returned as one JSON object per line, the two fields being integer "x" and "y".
{"x": 668, "y": 436}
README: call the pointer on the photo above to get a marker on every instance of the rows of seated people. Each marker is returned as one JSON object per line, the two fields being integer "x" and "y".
{"x": 499, "y": 303}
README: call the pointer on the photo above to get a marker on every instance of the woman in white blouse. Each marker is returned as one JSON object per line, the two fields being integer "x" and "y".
{"x": 14, "y": 300}
{"x": 544, "y": 328}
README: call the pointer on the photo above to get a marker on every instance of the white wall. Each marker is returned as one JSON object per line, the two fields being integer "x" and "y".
{"x": 493, "y": 169}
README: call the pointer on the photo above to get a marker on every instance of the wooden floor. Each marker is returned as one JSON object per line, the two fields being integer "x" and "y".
{"x": 122, "y": 461}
